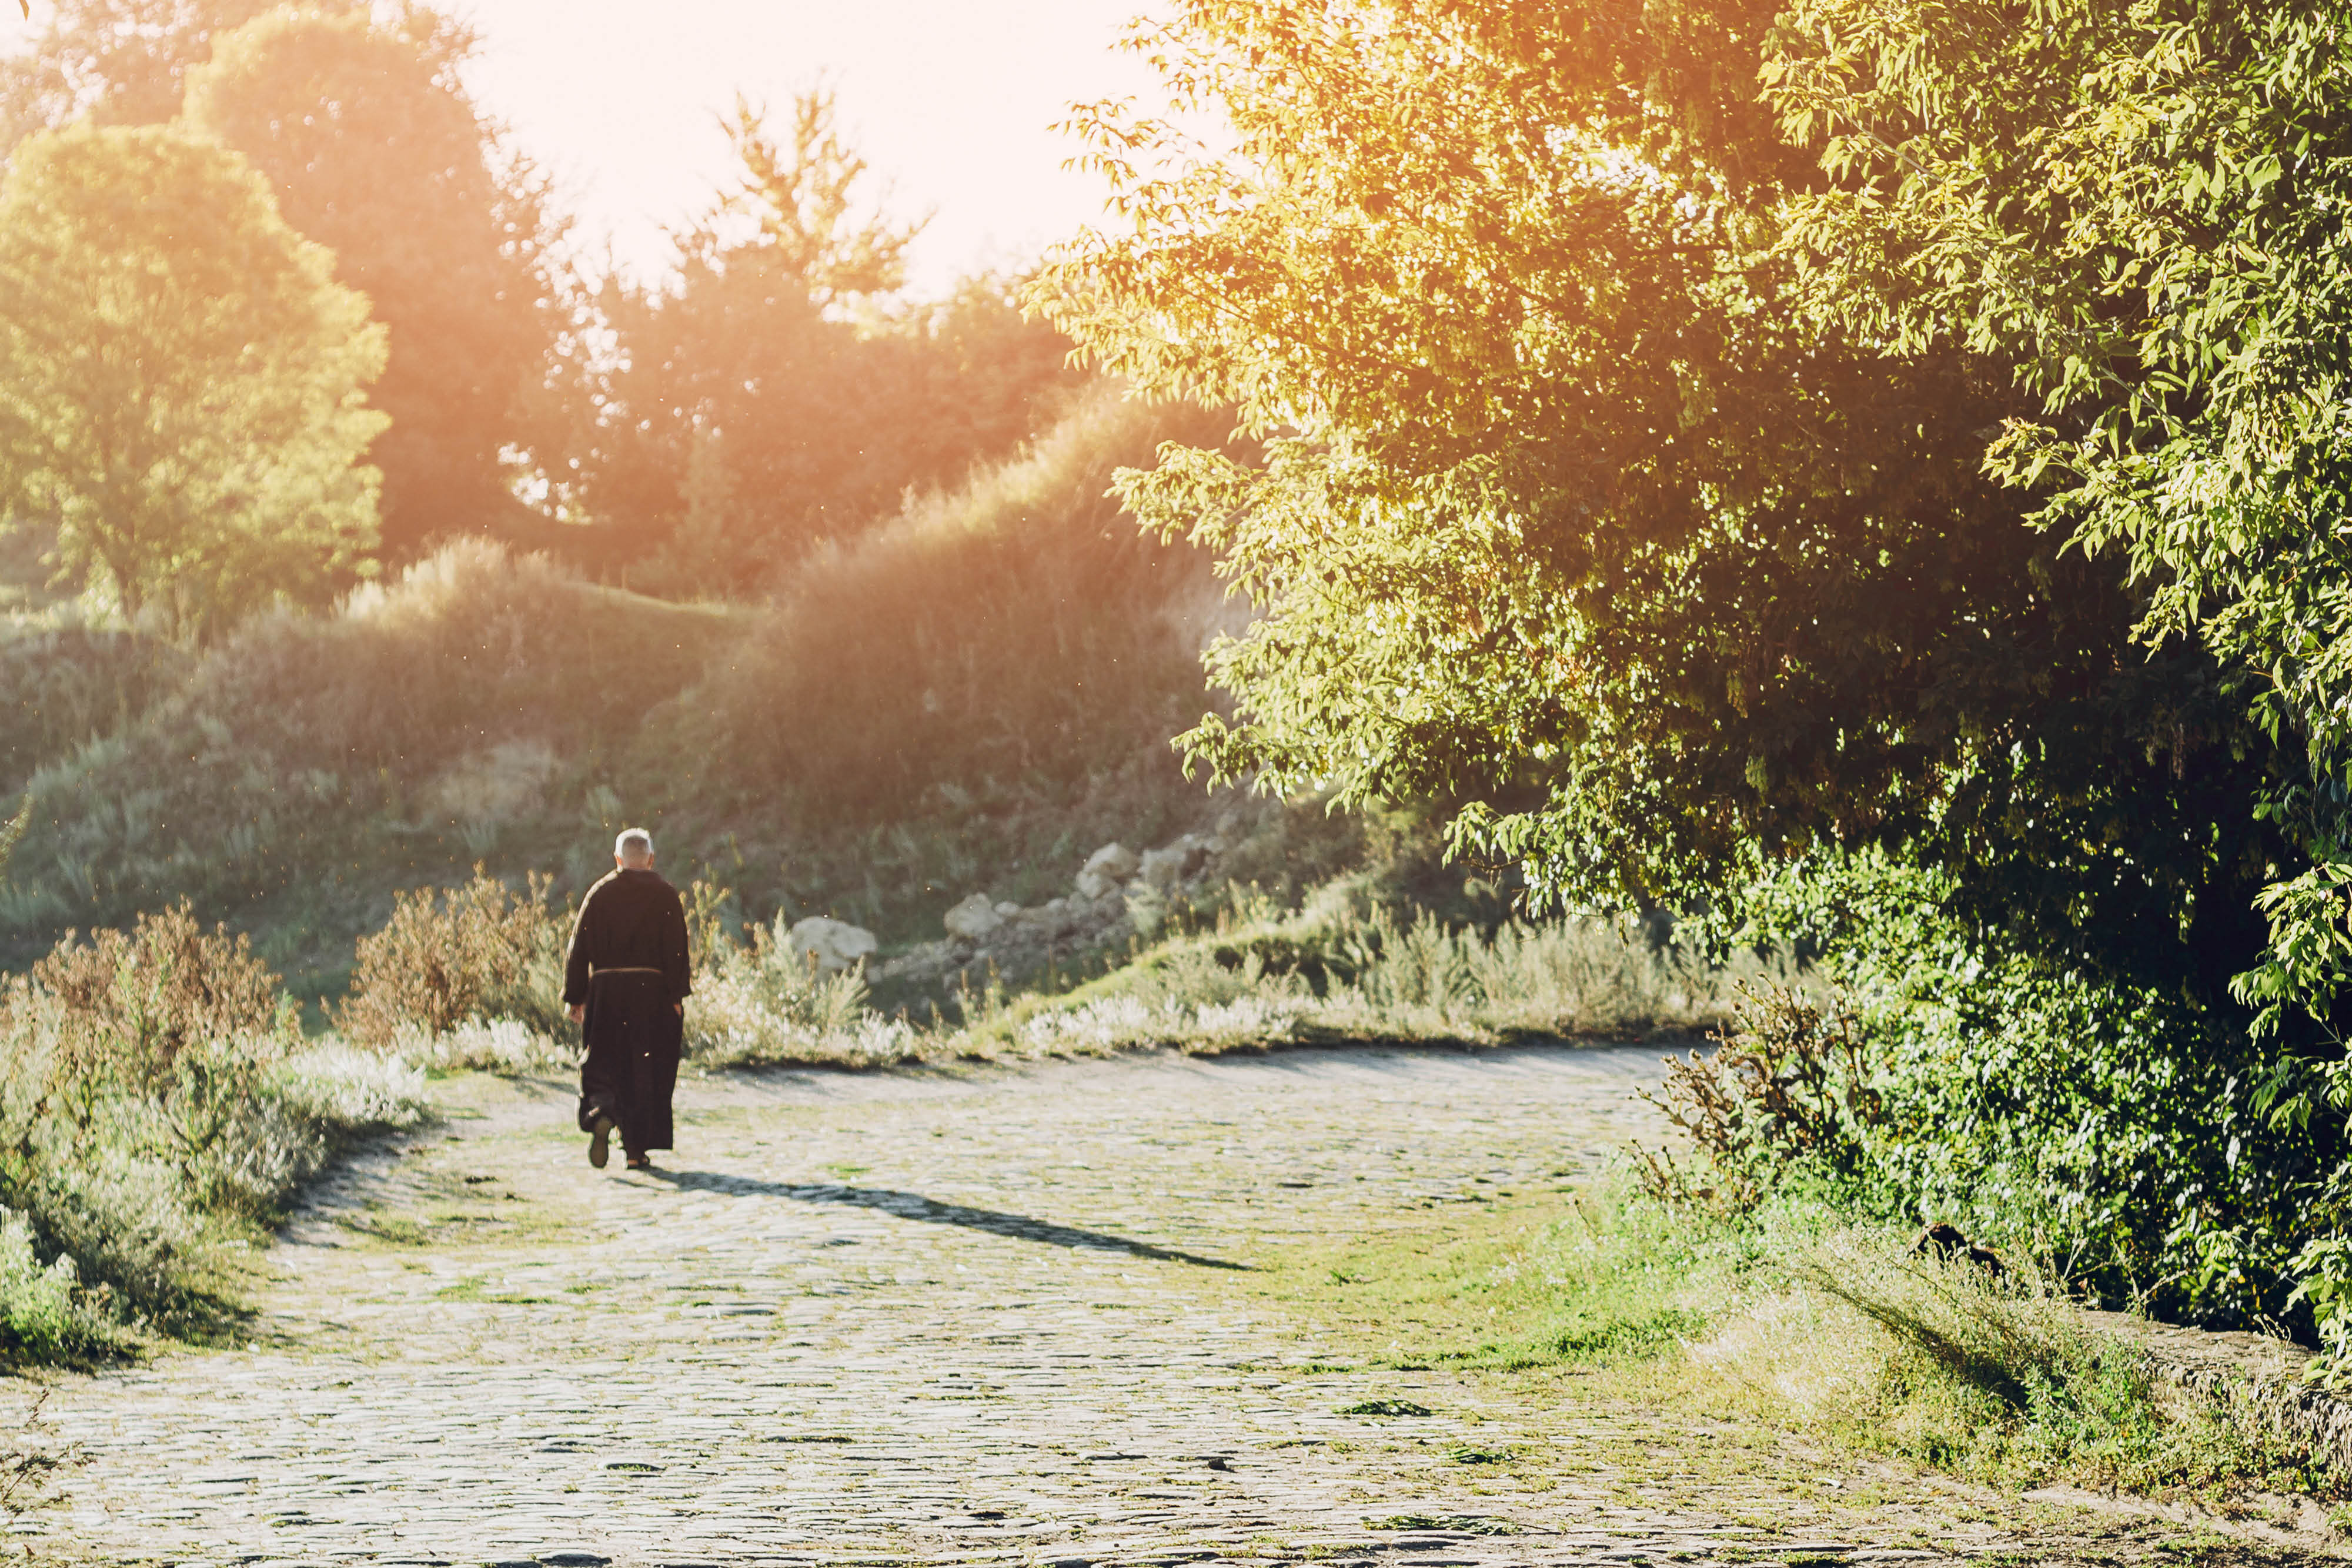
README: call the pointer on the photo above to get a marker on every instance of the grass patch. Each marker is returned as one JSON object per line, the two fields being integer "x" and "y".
{"x": 478, "y": 1289}
{"x": 1608, "y": 1342}
{"x": 161, "y": 1111}
{"x": 1789, "y": 1319}
{"x": 393, "y": 1232}
{"x": 1842, "y": 1333}
{"x": 1450, "y": 1523}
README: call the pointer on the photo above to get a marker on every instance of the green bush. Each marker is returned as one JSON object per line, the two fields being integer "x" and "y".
{"x": 2127, "y": 1141}
{"x": 44, "y": 1314}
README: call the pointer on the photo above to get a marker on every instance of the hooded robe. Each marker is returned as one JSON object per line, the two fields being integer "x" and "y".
{"x": 628, "y": 965}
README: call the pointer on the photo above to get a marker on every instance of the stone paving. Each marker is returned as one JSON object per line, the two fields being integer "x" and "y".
{"x": 990, "y": 1318}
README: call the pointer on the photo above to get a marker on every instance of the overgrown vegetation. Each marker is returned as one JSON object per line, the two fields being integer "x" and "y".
{"x": 158, "y": 1106}
{"x": 471, "y": 979}
{"x": 2127, "y": 1143}
{"x": 902, "y": 727}
{"x": 1771, "y": 518}
{"x": 1775, "y": 461}
{"x": 1346, "y": 968}
{"x": 478, "y": 954}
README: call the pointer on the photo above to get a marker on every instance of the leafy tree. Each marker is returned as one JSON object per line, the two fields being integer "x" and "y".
{"x": 775, "y": 391}
{"x": 182, "y": 380}
{"x": 801, "y": 205}
{"x": 1575, "y": 510}
{"x": 2135, "y": 210}
{"x": 121, "y": 62}
{"x": 374, "y": 150}
{"x": 1725, "y": 443}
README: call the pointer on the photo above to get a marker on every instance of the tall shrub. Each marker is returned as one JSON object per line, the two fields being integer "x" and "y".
{"x": 464, "y": 954}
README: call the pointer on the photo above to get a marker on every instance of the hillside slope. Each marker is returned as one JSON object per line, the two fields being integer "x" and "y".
{"x": 972, "y": 696}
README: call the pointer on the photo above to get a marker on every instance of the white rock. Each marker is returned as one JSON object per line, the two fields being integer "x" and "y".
{"x": 836, "y": 944}
{"x": 1007, "y": 908}
{"x": 1115, "y": 861}
{"x": 976, "y": 917}
{"x": 1093, "y": 884}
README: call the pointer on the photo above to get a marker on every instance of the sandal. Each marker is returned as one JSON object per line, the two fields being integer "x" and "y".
{"x": 599, "y": 1142}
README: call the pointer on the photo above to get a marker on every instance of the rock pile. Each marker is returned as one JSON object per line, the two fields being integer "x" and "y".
{"x": 1117, "y": 894}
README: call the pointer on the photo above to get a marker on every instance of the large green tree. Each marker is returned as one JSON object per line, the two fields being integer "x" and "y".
{"x": 374, "y": 149}
{"x": 2137, "y": 210}
{"x": 182, "y": 380}
{"x": 1584, "y": 503}
{"x": 1733, "y": 446}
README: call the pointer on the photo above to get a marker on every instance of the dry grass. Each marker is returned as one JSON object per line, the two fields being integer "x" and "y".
{"x": 474, "y": 954}
{"x": 1007, "y": 636}
{"x": 1337, "y": 971}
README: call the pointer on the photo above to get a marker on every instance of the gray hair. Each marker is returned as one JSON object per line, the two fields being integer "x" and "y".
{"x": 633, "y": 843}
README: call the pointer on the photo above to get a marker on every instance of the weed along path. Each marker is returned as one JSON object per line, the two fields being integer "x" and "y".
{"x": 1111, "y": 1313}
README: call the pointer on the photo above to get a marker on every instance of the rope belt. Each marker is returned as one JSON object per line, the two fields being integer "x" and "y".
{"x": 621, "y": 969}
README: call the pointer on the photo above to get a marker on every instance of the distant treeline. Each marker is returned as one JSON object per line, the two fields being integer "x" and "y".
{"x": 688, "y": 433}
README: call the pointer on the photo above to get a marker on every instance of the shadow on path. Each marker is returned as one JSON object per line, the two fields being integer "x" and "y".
{"x": 915, "y": 1206}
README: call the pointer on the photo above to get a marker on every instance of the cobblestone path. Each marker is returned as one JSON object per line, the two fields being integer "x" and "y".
{"x": 993, "y": 1318}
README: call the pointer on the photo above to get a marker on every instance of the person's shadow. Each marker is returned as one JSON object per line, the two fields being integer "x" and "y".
{"x": 915, "y": 1206}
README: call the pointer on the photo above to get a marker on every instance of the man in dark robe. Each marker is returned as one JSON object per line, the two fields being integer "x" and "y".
{"x": 626, "y": 980}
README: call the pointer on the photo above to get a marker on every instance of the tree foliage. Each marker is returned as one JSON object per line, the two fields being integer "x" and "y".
{"x": 2137, "y": 210}
{"x": 1726, "y": 441}
{"x": 776, "y": 390}
{"x": 121, "y": 62}
{"x": 374, "y": 149}
{"x": 182, "y": 380}
{"x": 804, "y": 208}
{"x": 1588, "y": 501}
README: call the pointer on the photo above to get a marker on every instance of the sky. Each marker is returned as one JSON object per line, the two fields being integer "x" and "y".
{"x": 951, "y": 100}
